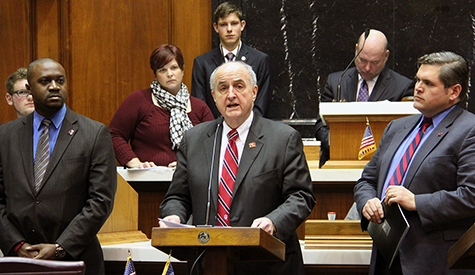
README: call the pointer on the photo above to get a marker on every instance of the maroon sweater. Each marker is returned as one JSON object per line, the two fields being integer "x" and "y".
{"x": 147, "y": 127}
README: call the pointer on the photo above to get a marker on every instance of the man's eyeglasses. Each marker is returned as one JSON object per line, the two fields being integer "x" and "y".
{"x": 22, "y": 93}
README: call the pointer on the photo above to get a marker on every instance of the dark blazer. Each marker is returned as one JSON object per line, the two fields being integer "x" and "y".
{"x": 272, "y": 181}
{"x": 389, "y": 86}
{"x": 205, "y": 64}
{"x": 77, "y": 194}
{"x": 443, "y": 181}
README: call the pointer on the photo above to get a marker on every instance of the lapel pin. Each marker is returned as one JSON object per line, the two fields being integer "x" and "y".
{"x": 440, "y": 134}
{"x": 252, "y": 145}
{"x": 71, "y": 132}
{"x": 243, "y": 58}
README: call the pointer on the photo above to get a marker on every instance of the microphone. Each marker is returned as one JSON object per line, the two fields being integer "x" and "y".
{"x": 338, "y": 89}
{"x": 208, "y": 204}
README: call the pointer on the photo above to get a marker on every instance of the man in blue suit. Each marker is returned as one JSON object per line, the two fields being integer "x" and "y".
{"x": 229, "y": 24}
{"x": 436, "y": 187}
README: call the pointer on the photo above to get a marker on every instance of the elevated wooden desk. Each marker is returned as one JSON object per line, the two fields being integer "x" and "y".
{"x": 347, "y": 123}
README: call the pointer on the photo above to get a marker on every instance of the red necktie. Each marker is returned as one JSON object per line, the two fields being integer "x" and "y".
{"x": 228, "y": 176}
{"x": 406, "y": 159}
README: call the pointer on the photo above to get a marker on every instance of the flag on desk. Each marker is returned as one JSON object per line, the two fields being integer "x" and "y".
{"x": 168, "y": 269}
{"x": 129, "y": 267}
{"x": 367, "y": 143}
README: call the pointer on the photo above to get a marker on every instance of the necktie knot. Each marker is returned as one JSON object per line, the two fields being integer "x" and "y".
{"x": 233, "y": 135}
{"x": 425, "y": 124}
{"x": 230, "y": 56}
{"x": 46, "y": 122}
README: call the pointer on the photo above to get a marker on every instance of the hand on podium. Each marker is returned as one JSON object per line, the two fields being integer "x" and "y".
{"x": 264, "y": 223}
{"x": 171, "y": 218}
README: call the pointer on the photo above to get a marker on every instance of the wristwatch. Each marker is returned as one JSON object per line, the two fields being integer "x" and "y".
{"x": 59, "y": 252}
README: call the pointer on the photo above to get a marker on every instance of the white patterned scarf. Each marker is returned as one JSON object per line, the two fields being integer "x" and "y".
{"x": 176, "y": 105}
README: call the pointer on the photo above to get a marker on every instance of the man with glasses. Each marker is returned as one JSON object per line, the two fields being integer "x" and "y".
{"x": 17, "y": 95}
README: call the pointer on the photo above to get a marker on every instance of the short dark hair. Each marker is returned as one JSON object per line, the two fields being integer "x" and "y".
{"x": 164, "y": 54}
{"x": 454, "y": 69}
{"x": 13, "y": 78}
{"x": 226, "y": 9}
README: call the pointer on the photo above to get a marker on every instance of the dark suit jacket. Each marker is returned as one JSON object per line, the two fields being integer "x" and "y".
{"x": 442, "y": 177}
{"x": 205, "y": 64}
{"x": 272, "y": 181}
{"x": 77, "y": 194}
{"x": 389, "y": 86}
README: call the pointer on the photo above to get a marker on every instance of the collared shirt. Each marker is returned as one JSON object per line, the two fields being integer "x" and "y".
{"x": 224, "y": 51}
{"x": 371, "y": 83}
{"x": 243, "y": 132}
{"x": 407, "y": 141}
{"x": 57, "y": 122}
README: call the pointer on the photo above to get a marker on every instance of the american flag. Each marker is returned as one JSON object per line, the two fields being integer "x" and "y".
{"x": 367, "y": 143}
{"x": 129, "y": 267}
{"x": 168, "y": 269}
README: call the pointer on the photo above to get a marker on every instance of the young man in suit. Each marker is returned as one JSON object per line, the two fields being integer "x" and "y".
{"x": 229, "y": 24}
{"x": 436, "y": 186}
{"x": 370, "y": 68}
{"x": 57, "y": 176}
{"x": 17, "y": 95}
{"x": 271, "y": 189}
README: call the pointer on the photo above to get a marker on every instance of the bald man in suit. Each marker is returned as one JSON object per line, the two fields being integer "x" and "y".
{"x": 272, "y": 188}
{"x": 383, "y": 83}
{"x": 58, "y": 217}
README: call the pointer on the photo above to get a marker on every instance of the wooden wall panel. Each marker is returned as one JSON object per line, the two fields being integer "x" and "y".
{"x": 191, "y": 29}
{"x": 15, "y": 30}
{"x": 111, "y": 42}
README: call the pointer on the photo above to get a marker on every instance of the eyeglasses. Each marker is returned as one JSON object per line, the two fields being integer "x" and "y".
{"x": 22, "y": 93}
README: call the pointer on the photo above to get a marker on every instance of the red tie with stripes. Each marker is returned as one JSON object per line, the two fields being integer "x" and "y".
{"x": 228, "y": 176}
{"x": 406, "y": 159}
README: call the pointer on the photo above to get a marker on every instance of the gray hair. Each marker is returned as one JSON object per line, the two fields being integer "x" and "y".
{"x": 250, "y": 71}
{"x": 454, "y": 69}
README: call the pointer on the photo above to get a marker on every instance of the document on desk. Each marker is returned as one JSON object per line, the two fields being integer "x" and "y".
{"x": 174, "y": 224}
{"x": 151, "y": 168}
{"x": 389, "y": 234}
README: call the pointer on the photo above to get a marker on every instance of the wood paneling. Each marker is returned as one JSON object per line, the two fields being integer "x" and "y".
{"x": 15, "y": 31}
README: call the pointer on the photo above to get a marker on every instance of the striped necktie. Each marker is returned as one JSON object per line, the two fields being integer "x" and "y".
{"x": 228, "y": 177}
{"x": 42, "y": 154}
{"x": 406, "y": 159}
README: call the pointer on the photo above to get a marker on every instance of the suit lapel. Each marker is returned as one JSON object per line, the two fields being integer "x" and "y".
{"x": 350, "y": 91}
{"x": 380, "y": 86}
{"x": 210, "y": 146}
{"x": 243, "y": 54}
{"x": 429, "y": 145}
{"x": 252, "y": 147}
{"x": 68, "y": 130}
{"x": 26, "y": 149}
{"x": 218, "y": 58}
{"x": 393, "y": 147}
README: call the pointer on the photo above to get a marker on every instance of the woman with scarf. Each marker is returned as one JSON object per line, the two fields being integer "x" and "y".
{"x": 154, "y": 120}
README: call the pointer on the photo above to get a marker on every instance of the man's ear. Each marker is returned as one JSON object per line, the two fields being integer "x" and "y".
{"x": 455, "y": 91}
{"x": 215, "y": 26}
{"x": 9, "y": 99}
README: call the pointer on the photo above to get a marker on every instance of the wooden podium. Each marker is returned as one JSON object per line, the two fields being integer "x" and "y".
{"x": 224, "y": 246}
{"x": 347, "y": 123}
{"x": 462, "y": 253}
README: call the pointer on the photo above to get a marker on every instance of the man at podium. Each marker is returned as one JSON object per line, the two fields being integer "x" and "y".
{"x": 424, "y": 163}
{"x": 243, "y": 170}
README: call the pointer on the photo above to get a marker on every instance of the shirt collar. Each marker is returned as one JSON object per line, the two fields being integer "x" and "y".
{"x": 224, "y": 51}
{"x": 242, "y": 130}
{"x": 57, "y": 118}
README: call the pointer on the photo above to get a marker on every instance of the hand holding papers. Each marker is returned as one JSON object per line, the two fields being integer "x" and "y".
{"x": 174, "y": 224}
{"x": 389, "y": 234}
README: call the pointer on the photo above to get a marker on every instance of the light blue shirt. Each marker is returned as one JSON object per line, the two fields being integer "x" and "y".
{"x": 57, "y": 122}
{"x": 405, "y": 144}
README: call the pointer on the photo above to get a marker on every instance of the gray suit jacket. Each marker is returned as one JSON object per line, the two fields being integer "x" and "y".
{"x": 442, "y": 178}
{"x": 272, "y": 181}
{"x": 77, "y": 193}
{"x": 205, "y": 64}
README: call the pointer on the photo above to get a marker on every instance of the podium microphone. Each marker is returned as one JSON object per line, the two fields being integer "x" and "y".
{"x": 338, "y": 89}
{"x": 208, "y": 204}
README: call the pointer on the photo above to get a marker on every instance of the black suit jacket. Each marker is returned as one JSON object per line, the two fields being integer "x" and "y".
{"x": 442, "y": 179}
{"x": 389, "y": 86}
{"x": 272, "y": 181}
{"x": 77, "y": 193}
{"x": 205, "y": 64}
